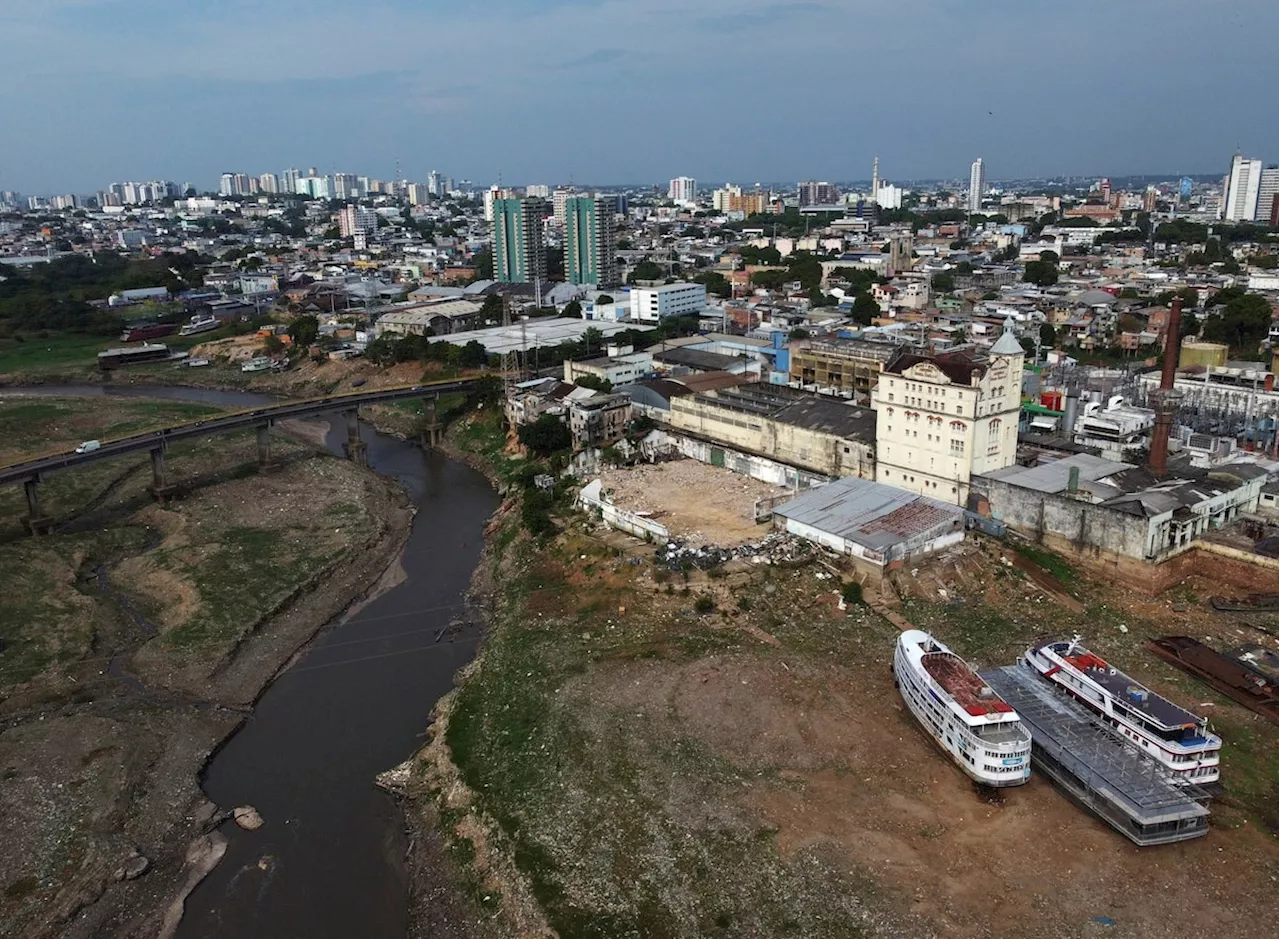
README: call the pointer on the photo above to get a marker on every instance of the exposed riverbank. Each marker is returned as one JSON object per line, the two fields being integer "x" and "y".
{"x": 121, "y": 677}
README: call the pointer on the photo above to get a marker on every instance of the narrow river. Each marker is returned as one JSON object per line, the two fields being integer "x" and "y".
{"x": 327, "y": 861}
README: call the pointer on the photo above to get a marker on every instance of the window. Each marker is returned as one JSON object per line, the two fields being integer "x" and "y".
{"x": 959, "y": 409}
{"x": 957, "y": 446}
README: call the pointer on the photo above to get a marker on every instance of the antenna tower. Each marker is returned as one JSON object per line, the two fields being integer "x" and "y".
{"x": 510, "y": 360}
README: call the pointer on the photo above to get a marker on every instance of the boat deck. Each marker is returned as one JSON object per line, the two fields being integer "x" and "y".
{"x": 960, "y": 681}
{"x": 1126, "y": 788}
{"x": 1159, "y": 709}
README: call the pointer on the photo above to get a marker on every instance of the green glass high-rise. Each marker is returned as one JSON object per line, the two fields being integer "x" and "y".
{"x": 519, "y": 255}
{"x": 588, "y": 241}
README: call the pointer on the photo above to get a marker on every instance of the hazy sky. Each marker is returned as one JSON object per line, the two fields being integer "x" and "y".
{"x": 630, "y": 90}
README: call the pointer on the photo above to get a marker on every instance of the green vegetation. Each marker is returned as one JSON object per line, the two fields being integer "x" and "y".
{"x": 47, "y": 618}
{"x": 545, "y": 436}
{"x": 645, "y": 270}
{"x": 1055, "y": 564}
{"x": 1242, "y": 322}
{"x": 1041, "y": 273}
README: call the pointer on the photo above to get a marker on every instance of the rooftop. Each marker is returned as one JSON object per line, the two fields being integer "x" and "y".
{"x": 868, "y": 513}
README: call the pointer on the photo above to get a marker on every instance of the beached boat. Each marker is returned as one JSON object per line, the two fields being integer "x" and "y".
{"x": 969, "y": 721}
{"x": 1171, "y": 735}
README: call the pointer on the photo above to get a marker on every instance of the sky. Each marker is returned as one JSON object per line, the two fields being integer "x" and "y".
{"x": 630, "y": 91}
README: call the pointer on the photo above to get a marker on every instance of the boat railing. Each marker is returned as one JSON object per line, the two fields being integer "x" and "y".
{"x": 1011, "y": 746}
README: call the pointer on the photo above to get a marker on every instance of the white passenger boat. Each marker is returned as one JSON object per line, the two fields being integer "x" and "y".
{"x": 969, "y": 721}
{"x": 1172, "y": 736}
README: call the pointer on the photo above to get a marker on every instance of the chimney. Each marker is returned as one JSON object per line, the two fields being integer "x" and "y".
{"x": 1164, "y": 400}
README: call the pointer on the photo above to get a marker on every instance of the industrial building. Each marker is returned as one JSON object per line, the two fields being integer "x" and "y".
{"x": 849, "y": 368}
{"x": 822, "y": 435}
{"x": 881, "y": 526}
{"x": 438, "y": 318}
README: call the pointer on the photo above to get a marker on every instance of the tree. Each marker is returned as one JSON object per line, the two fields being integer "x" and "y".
{"x": 603, "y": 298}
{"x": 798, "y": 333}
{"x": 482, "y": 261}
{"x": 1050, "y": 257}
{"x": 1129, "y": 293}
{"x": 572, "y": 309}
{"x": 545, "y": 436}
{"x": 303, "y": 331}
{"x": 645, "y": 270}
{"x": 491, "y": 309}
{"x": 964, "y": 267}
{"x": 715, "y": 283}
{"x": 865, "y": 309}
{"x": 473, "y": 355}
{"x": 382, "y": 351}
{"x": 1040, "y": 273}
{"x": 592, "y": 338}
{"x": 943, "y": 282}
{"x": 595, "y": 383}
{"x": 1048, "y": 335}
{"x": 272, "y": 345}
{"x": 1242, "y": 324}
{"x": 1189, "y": 325}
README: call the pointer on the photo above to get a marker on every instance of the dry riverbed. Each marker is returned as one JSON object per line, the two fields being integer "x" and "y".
{"x": 137, "y": 637}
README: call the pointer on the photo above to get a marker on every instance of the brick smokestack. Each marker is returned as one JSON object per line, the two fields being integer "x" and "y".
{"x": 1165, "y": 398}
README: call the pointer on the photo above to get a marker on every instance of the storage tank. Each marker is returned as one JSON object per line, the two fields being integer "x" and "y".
{"x": 1207, "y": 354}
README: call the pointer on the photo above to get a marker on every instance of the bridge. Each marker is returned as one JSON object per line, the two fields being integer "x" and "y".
{"x": 31, "y": 470}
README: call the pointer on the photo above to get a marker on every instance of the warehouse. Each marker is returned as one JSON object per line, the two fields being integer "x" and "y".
{"x": 878, "y": 525}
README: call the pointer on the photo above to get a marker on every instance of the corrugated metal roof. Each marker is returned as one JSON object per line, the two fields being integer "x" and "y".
{"x": 1053, "y": 476}
{"x": 868, "y": 513}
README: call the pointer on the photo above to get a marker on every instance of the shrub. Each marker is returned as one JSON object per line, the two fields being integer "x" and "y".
{"x": 852, "y": 592}
{"x": 704, "y": 604}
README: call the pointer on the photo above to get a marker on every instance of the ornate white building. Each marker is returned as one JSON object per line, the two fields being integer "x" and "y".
{"x": 942, "y": 418}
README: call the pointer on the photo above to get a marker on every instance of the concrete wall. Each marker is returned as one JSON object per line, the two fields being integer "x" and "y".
{"x": 592, "y": 497}
{"x": 748, "y": 464}
{"x": 1066, "y": 524}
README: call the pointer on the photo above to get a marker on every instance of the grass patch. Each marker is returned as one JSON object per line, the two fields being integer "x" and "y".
{"x": 1047, "y": 560}
{"x": 46, "y": 619}
{"x": 249, "y": 572}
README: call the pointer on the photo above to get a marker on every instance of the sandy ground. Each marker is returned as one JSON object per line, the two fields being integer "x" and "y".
{"x": 698, "y": 503}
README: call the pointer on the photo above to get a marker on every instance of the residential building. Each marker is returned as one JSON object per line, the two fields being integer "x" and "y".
{"x": 812, "y": 192}
{"x": 599, "y": 420}
{"x": 977, "y": 185}
{"x": 519, "y": 256}
{"x": 1240, "y": 202}
{"x": 561, "y": 195}
{"x": 433, "y": 184}
{"x": 419, "y": 194}
{"x": 589, "y": 244}
{"x": 620, "y": 367}
{"x": 289, "y": 179}
{"x": 226, "y": 184}
{"x": 651, "y": 304}
{"x": 941, "y": 419}
{"x": 317, "y": 187}
{"x": 345, "y": 186}
{"x": 539, "y": 191}
{"x": 1268, "y": 187}
{"x": 848, "y": 368}
{"x": 357, "y": 220}
{"x": 268, "y": 183}
{"x": 721, "y": 199}
{"x": 682, "y": 189}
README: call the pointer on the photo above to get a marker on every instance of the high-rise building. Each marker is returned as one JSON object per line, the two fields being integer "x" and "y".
{"x": 558, "y": 198}
{"x": 813, "y": 192}
{"x": 1240, "y": 202}
{"x": 538, "y": 191}
{"x": 419, "y": 194}
{"x": 519, "y": 256}
{"x": 357, "y": 220}
{"x": 289, "y": 179}
{"x": 242, "y": 184}
{"x": 721, "y": 198}
{"x": 589, "y": 246}
{"x": 1104, "y": 189}
{"x": 433, "y": 183}
{"x": 1268, "y": 187}
{"x": 683, "y": 189}
{"x": 977, "y": 185}
{"x": 226, "y": 185}
{"x": 345, "y": 186}
{"x": 315, "y": 186}
{"x": 1185, "y": 185}
{"x": 268, "y": 183}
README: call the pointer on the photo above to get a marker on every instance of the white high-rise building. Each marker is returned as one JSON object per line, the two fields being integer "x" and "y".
{"x": 1268, "y": 186}
{"x": 345, "y": 186}
{"x": 1240, "y": 203}
{"x": 268, "y": 183}
{"x": 289, "y": 179}
{"x": 227, "y": 184}
{"x": 722, "y": 199}
{"x": 538, "y": 191}
{"x": 977, "y": 184}
{"x": 682, "y": 189}
{"x": 558, "y": 199}
{"x": 433, "y": 184}
{"x": 357, "y": 220}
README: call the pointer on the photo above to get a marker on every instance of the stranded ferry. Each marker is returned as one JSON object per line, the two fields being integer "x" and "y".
{"x": 970, "y": 721}
{"x": 1172, "y": 736}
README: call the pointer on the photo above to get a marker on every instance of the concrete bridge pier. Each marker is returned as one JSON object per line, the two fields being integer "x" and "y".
{"x": 432, "y": 431}
{"x": 159, "y": 488}
{"x": 264, "y": 447}
{"x": 36, "y": 521}
{"x": 355, "y": 448}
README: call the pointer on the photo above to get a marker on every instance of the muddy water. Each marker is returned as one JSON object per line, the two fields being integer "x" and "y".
{"x": 327, "y": 861}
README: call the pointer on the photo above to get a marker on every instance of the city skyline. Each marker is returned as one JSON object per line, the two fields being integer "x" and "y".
{"x": 93, "y": 113}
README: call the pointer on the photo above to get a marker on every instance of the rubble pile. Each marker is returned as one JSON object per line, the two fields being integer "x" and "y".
{"x": 775, "y": 548}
